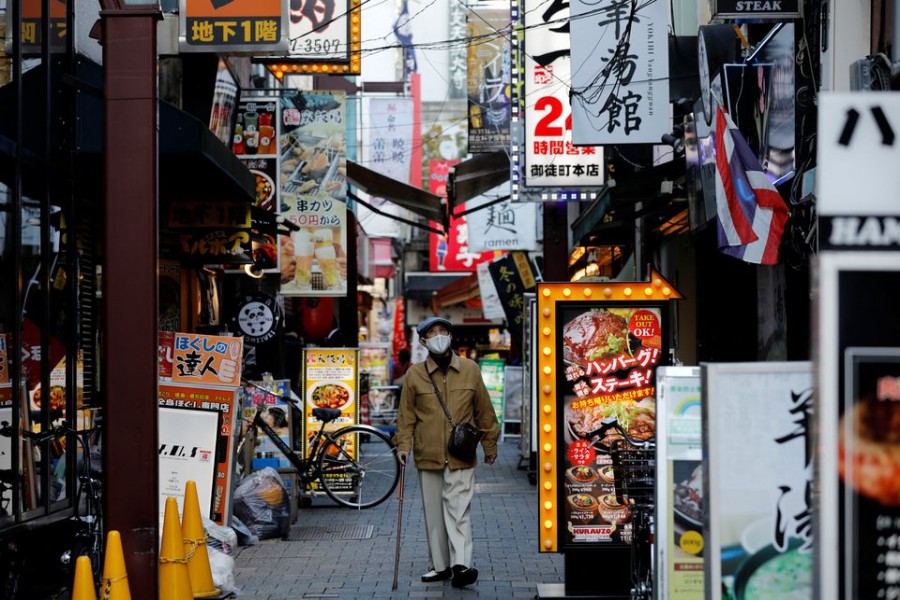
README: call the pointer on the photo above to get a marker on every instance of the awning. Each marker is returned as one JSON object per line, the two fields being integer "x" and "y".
{"x": 193, "y": 163}
{"x": 424, "y": 286}
{"x": 462, "y": 290}
{"x": 413, "y": 199}
{"x": 475, "y": 176}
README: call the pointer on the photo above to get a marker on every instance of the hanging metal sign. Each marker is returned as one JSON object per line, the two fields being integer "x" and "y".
{"x": 757, "y": 9}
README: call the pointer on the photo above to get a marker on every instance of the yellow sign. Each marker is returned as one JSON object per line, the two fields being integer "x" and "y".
{"x": 233, "y": 25}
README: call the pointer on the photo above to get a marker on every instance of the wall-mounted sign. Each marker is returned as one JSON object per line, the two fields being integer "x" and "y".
{"x": 257, "y": 318}
{"x": 457, "y": 80}
{"x": 551, "y": 159}
{"x": 758, "y": 480}
{"x": 206, "y": 359}
{"x": 757, "y": 9}
{"x": 225, "y": 26}
{"x": 218, "y": 247}
{"x": 221, "y": 214}
{"x": 505, "y": 225}
{"x": 31, "y": 26}
{"x": 620, "y": 72}
{"x": 324, "y": 39}
{"x": 598, "y": 348}
{"x": 513, "y": 276}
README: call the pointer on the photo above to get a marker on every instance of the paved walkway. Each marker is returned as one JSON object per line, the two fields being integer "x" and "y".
{"x": 504, "y": 519}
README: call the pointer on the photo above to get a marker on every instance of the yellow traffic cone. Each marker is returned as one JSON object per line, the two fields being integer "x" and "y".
{"x": 195, "y": 545}
{"x": 174, "y": 580}
{"x": 115, "y": 578}
{"x": 83, "y": 587}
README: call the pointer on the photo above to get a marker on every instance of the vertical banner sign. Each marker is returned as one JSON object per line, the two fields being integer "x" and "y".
{"x": 458, "y": 51}
{"x": 597, "y": 352}
{"x": 221, "y": 116}
{"x": 206, "y": 359}
{"x": 758, "y": 488}
{"x": 513, "y": 276}
{"x": 225, "y": 26}
{"x": 197, "y": 436}
{"x": 313, "y": 193}
{"x": 551, "y": 160}
{"x": 330, "y": 380}
{"x": 489, "y": 77}
{"x": 491, "y": 307}
{"x": 679, "y": 495}
{"x": 255, "y": 142}
{"x": 388, "y": 140}
{"x": 620, "y": 70}
{"x": 493, "y": 372}
{"x": 30, "y": 34}
{"x": 450, "y": 252}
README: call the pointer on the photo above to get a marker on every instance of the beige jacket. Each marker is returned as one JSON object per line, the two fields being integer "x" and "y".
{"x": 422, "y": 424}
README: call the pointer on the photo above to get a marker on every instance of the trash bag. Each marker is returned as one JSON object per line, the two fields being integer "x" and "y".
{"x": 222, "y": 567}
{"x": 262, "y": 503}
{"x": 245, "y": 537}
{"x": 220, "y": 537}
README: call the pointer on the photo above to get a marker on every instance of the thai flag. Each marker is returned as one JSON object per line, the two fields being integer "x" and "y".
{"x": 751, "y": 213}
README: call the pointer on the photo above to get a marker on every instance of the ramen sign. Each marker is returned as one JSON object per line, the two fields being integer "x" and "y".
{"x": 599, "y": 346}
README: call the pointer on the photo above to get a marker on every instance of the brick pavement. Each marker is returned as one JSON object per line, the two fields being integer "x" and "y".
{"x": 504, "y": 521}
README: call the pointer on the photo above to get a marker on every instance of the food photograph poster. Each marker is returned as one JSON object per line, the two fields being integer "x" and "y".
{"x": 330, "y": 380}
{"x": 313, "y": 183}
{"x": 758, "y": 480}
{"x": 606, "y": 369}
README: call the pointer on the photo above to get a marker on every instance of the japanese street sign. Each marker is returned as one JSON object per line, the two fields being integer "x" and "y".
{"x": 207, "y": 359}
{"x": 513, "y": 276}
{"x": 620, "y": 70}
{"x": 504, "y": 226}
{"x": 31, "y": 26}
{"x": 388, "y": 139}
{"x": 226, "y": 26}
{"x": 458, "y": 68}
{"x": 551, "y": 159}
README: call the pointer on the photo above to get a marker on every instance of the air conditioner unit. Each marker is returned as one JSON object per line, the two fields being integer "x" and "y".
{"x": 870, "y": 74}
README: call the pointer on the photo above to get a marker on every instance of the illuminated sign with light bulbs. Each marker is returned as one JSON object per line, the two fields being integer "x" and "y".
{"x": 598, "y": 348}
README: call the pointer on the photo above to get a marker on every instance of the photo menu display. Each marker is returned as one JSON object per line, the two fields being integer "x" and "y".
{"x": 608, "y": 361}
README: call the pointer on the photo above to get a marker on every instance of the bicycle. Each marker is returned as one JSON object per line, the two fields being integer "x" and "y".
{"x": 634, "y": 479}
{"x": 356, "y": 465}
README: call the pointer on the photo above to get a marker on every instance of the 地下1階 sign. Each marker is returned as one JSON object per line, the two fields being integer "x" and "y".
{"x": 225, "y": 26}
{"x": 31, "y": 31}
{"x": 757, "y": 9}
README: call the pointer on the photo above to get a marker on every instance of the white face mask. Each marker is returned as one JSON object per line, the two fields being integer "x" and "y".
{"x": 438, "y": 344}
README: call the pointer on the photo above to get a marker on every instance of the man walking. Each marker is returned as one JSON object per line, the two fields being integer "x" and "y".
{"x": 447, "y": 483}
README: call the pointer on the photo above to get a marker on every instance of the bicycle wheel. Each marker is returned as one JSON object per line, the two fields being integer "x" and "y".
{"x": 358, "y": 467}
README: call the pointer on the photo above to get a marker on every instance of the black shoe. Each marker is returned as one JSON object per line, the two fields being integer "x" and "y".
{"x": 433, "y": 575}
{"x": 463, "y": 576}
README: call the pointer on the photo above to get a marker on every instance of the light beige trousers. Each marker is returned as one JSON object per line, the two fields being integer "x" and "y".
{"x": 447, "y": 500}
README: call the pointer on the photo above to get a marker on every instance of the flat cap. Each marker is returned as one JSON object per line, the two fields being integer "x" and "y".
{"x": 428, "y": 323}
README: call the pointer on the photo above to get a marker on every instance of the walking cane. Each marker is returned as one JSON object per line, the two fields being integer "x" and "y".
{"x": 399, "y": 525}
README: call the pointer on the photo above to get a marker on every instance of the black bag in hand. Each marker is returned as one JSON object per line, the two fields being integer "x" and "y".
{"x": 464, "y": 438}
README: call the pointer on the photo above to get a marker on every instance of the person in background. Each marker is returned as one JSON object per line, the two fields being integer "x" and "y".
{"x": 401, "y": 366}
{"x": 447, "y": 483}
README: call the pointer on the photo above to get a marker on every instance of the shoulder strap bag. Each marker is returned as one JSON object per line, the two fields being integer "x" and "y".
{"x": 464, "y": 437}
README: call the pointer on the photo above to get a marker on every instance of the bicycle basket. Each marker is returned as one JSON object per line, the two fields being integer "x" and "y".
{"x": 634, "y": 474}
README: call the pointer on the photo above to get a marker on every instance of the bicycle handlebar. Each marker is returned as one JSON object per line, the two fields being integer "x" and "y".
{"x": 613, "y": 423}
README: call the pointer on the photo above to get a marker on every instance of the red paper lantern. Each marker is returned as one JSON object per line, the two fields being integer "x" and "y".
{"x": 318, "y": 318}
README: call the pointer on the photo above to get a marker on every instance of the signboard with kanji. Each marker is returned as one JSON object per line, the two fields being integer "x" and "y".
{"x": 226, "y": 26}
{"x": 31, "y": 26}
{"x": 206, "y": 359}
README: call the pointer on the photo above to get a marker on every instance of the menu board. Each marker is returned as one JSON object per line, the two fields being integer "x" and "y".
{"x": 679, "y": 497}
{"x": 758, "y": 480}
{"x": 196, "y": 435}
{"x": 606, "y": 369}
{"x": 330, "y": 380}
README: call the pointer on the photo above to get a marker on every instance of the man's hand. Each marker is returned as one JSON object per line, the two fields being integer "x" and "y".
{"x": 489, "y": 459}
{"x": 402, "y": 457}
